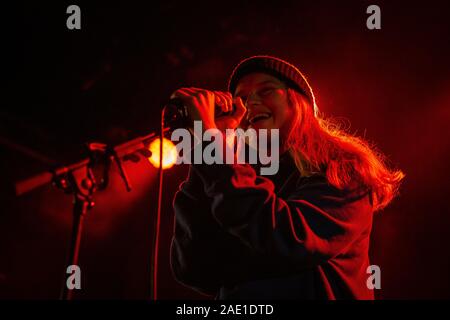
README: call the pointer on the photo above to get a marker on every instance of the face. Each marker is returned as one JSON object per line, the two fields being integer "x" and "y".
{"x": 266, "y": 100}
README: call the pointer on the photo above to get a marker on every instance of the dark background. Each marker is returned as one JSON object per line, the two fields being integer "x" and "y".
{"x": 108, "y": 81}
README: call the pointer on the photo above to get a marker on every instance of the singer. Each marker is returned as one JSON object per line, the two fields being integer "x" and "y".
{"x": 302, "y": 233}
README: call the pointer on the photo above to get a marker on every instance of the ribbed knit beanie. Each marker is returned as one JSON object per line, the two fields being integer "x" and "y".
{"x": 276, "y": 67}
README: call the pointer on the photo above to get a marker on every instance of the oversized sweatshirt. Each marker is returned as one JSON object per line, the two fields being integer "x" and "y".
{"x": 238, "y": 235}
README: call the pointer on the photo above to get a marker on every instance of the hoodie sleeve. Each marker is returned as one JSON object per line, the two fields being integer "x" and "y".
{"x": 203, "y": 256}
{"x": 313, "y": 224}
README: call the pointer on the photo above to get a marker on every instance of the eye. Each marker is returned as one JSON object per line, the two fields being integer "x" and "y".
{"x": 265, "y": 91}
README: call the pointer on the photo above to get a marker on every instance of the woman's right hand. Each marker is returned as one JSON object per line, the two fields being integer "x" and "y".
{"x": 226, "y": 102}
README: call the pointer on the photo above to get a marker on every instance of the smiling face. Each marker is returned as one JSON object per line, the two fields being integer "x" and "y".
{"x": 266, "y": 99}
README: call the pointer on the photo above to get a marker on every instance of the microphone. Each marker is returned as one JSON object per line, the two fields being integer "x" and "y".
{"x": 176, "y": 114}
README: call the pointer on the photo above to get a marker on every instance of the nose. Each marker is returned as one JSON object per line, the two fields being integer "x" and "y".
{"x": 252, "y": 107}
{"x": 251, "y": 99}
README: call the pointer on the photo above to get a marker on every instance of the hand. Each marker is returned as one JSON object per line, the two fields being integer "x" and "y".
{"x": 199, "y": 103}
{"x": 233, "y": 120}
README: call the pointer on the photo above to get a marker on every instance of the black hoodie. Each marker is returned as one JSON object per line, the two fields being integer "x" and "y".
{"x": 242, "y": 236}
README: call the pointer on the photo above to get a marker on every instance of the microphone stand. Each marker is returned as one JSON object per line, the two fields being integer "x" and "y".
{"x": 78, "y": 179}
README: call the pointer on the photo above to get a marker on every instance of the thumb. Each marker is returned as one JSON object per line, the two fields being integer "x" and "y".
{"x": 240, "y": 108}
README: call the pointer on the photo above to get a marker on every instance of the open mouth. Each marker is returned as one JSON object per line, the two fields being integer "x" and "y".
{"x": 259, "y": 117}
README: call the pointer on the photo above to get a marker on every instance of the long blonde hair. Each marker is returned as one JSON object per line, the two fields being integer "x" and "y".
{"x": 319, "y": 145}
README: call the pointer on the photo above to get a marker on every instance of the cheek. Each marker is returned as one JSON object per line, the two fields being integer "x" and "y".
{"x": 281, "y": 112}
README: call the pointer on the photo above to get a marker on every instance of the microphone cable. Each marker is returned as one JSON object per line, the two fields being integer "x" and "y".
{"x": 177, "y": 117}
{"x": 155, "y": 242}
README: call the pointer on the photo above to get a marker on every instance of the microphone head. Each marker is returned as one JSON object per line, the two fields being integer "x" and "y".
{"x": 175, "y": 114}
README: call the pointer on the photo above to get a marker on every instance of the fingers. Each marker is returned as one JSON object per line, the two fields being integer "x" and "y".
{"x": 220, "y": 101}
{"x": 240, "y": 108}
{"x": 192, "y": 92}
{"x": 240, "y": 113}
{"x": 199, "y": 103}
{"x": 200, "y": 98}
{"x": 229, "y": 99}
{"x": 180, "y": 93}
{"x": 195, "y": 97}
{"x": 186, "y": 95}
{"x": 224, "y": 101}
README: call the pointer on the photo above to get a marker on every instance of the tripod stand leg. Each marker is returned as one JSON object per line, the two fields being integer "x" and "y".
{"x": 79, "y": 211}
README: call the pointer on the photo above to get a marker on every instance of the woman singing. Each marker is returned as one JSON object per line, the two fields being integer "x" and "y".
{"x": 302, "y": 233}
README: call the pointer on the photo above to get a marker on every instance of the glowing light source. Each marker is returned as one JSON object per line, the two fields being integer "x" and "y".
{"x": 169, "y": 153}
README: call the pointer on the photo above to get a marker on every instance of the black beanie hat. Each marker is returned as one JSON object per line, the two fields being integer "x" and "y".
{"x": 276, "y": 67}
